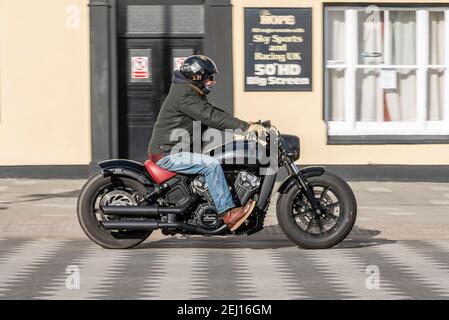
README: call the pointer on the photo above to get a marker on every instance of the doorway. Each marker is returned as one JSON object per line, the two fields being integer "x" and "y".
{"x": 150, "y": 47}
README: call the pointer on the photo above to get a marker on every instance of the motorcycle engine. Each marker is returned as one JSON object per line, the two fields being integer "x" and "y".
{"x": 200, "y": 187}
{"x": 245, "y": 184}
{"x": 206, "y": 216}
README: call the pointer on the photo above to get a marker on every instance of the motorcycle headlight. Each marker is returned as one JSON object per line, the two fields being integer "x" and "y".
{"x": 292, "y": 144}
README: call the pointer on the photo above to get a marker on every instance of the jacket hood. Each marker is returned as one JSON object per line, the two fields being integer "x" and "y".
{"x": 178, "y": 77}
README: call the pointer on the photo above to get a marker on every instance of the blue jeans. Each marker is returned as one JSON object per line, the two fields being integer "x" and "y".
{"x": 209, "y": 167}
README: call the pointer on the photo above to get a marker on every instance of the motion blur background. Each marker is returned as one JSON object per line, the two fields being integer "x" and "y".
{"x": 379, "y": 101}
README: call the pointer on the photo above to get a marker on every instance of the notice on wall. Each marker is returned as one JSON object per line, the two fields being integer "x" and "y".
{"x": 139, "y": 68}
{"x": 278, "y": 49}
{"x": 177, "y": 62}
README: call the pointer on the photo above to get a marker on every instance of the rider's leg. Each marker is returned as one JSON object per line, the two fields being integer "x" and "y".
{"x": 209, "y": 167}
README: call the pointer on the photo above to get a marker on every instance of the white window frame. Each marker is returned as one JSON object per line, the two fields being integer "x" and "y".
{"x": 421, "y": 126}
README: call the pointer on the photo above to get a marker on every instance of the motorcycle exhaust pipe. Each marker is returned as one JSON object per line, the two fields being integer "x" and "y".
{"x": 153, "y": 225}
{"x": 135, "y": 211}
{"x": 130, "y": 225}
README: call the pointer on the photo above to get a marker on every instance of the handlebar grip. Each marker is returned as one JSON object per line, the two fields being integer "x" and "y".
{"x": 266, "y": 123}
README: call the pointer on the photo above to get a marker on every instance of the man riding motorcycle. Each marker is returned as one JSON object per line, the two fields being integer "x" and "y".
{"x": 185, "y": 103}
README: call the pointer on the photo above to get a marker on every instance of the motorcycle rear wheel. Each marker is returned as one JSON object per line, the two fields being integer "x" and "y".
{"x": 95, "y": 189}
{"x": 301, "y": 226}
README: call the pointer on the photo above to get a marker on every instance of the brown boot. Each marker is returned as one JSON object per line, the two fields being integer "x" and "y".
{"x": 236, "y": 216}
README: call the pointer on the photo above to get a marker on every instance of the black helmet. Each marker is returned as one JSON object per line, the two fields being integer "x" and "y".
{"x": 198, "y": 68}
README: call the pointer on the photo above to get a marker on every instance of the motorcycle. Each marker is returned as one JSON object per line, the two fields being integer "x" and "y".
{"x": 120, "y": 206}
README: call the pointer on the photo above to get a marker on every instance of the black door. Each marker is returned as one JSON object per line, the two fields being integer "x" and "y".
{"x": 145, "y": 71}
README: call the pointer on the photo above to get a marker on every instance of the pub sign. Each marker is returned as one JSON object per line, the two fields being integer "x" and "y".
{"x": 278, "y": 49}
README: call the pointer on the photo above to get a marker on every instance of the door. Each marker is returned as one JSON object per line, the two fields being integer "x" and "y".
{"x": 146, "y": 68}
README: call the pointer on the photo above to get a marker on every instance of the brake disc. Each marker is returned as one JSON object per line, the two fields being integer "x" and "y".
{"x": 117, "y": 198}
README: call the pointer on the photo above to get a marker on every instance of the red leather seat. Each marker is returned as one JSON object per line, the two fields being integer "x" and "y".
{"x": 158, "y": 174}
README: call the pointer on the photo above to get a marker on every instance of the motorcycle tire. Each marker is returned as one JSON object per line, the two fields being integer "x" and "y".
{"x": 91, "y": 225}
{"x": 345, "y": 221}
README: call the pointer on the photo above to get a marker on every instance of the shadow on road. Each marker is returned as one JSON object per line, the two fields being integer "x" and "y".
{"x": 361, "y": 238}
{"x": 270, "y": 238}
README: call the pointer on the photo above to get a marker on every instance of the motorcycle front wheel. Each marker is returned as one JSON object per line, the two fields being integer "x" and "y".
{"x": 100, "y": 190}
{"x": 302, "y": 226}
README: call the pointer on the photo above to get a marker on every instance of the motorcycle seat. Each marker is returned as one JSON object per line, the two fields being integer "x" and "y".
{"x": 158, "y": 174}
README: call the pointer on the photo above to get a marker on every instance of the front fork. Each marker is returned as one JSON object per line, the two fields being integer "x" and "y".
{"x": 302, "y": 183}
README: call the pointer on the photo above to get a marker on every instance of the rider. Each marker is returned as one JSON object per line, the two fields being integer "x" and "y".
{"x": 186, "y": 102}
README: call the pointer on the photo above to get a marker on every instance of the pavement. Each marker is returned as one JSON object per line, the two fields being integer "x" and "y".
{"x": 399, "y": 249}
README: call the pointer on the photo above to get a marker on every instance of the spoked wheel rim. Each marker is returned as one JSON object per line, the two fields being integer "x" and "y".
{"x": 311, "y": 223}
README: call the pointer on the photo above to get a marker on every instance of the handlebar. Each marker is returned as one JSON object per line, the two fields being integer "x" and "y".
{"x": 266, "y": 123}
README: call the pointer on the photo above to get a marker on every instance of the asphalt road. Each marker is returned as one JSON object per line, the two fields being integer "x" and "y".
{"x": 399, "y": 249}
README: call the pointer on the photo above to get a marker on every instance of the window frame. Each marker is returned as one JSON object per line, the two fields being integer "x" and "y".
{"x": 352, "y": 130}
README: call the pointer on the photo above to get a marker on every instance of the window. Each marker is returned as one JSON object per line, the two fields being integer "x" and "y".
{"x": 386, "y": 71}
{"x": 161, "y": 19}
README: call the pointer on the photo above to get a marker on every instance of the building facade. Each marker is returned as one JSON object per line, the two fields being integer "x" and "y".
{"x": 361, "y": 84}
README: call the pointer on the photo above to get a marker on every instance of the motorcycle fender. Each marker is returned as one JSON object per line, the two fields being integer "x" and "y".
{"x": 307, "y": 172}
{"x": 125, "y": 168}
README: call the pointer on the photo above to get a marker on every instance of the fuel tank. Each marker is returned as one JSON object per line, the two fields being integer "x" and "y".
{"x": 241, "y": 152}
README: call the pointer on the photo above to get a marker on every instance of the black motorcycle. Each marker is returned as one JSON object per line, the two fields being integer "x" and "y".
{"x": 120, "y": 206}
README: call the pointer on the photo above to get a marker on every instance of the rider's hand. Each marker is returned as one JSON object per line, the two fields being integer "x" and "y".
{"x": 257, "y": 128}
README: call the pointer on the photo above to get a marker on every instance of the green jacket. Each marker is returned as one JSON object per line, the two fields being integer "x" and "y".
{"x": 184, "y": 104}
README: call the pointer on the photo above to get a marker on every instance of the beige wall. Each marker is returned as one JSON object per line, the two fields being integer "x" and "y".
{"x": 44, "y": 91}
{"x": 301, "y": 113}
{"x": 44, "y": 82}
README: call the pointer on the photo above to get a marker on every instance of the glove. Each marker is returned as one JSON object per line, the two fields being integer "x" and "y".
{"x": 257, "y": 128}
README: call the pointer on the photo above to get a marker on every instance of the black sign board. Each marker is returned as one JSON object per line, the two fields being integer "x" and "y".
{"x": 278, "y": 49}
